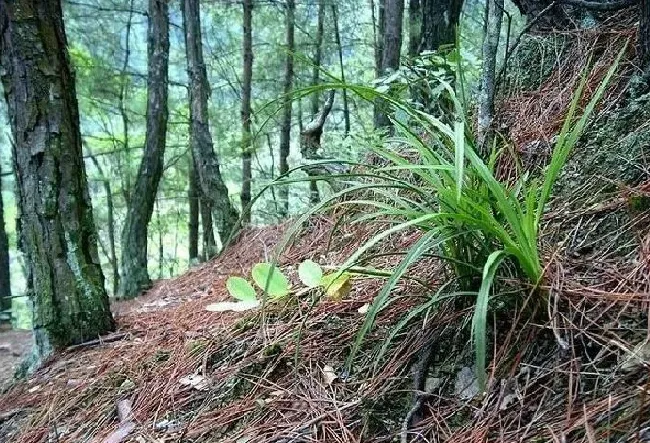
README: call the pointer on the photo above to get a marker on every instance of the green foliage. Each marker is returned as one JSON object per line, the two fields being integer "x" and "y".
{"x": 240, "y": 289}
{"x": 437, "y": 183}
{"x": 310, "y": 273}
{"x": 271, "y": 280}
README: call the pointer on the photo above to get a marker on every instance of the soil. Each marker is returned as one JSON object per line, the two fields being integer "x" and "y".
{"x": 14, "y": 346}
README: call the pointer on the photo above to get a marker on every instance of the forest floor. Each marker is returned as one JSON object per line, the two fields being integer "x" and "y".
{"x": 175, "y": 372}
{"x": 14, "y": 346}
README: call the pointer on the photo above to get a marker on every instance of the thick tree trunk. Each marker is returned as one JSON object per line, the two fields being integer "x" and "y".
{"x": 5, "y": 275}
{"x": 193, "y": 225}
{"x": 337, "y": 35}
{"x": 208, "y": 170}
{"x": 439, "y": 21}
{"x": 247, "y": 78}
{"x": 285, "y": 130}
{"x": 135, "y": 276}
{"x": 318, "y": 51}
{"x": 391, "y": 49}
{"x": 415, "y": 27}
{"x": 58, "y": 232}
{"x": 494, "y": 9}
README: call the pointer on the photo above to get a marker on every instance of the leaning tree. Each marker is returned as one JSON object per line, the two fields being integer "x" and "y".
{"x": 58, "y": 235}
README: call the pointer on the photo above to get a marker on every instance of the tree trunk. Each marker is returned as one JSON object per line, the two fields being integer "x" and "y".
{"x": 247, "y": 78}
{"x": 58, "y": 235}
{"x": 337, "y": 34}
{"x": 391, "y": 48}
{"x": 415, "y": 27}
{"x": 206, "y": 161}
{"x": 285, "y": 130}
{"x": 439, "y": 21}
{"x": 135, "y": 276}
{"x": 5, "y": 275}
{"x": 193, "y": 226}
{"x": 494, "y": 9}
{"x": 209, "y": 244}
{"x": 315, "y": 79}
{"x": 310, "y": 144}
{"x": 644, "y": 37}
{"x": 110, "y": 207}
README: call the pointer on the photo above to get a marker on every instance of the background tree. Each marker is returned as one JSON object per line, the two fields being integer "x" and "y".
{"x": 135, "y": 276}
{"x": 391, "y": 49}
{"x": 58, "y": 233}
{"x": 285, "y": 130}
{"x": 205, "y": 159}
{"x": 439, "y": 21}
{"x": 5, "y": 275}
{"x": 247, "y": 136}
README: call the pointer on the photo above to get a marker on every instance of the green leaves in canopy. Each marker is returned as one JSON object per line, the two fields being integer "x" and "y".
{"x": 240, "y": 289}
{"x": 271, "y": 280}
{"x": 310, "y": 273}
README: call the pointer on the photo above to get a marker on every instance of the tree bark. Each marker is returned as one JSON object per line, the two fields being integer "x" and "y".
{"x": 206, "y": 161}
{"x": 337, "y": 34}
{"x": 493, "y": 17}
{"x": 391, "y": 48}
{"x": 247, "y": 78}
{"x": 208, "y": 244}
{"x": 315, "y": 79}
{"x": 644, "y": 37}
{"x": 110, "y": 207}
{"x": 415, "y": 27}
{"x": 135, "y": 277}
{"x": 285, "y": 130}
{"x": 439, "y": 21}
{"x": 58, "y": 235}
{"x": 5, "y": 275}
{"x": 193, "y": 225}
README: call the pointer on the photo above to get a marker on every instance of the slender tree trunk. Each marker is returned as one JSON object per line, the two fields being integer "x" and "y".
{"x": 285, "y": 130}
{"x": 110, "y": 207}
{"x": 494, "y": 9}
{"x": 337, "y": 35}
{"x": 135, "y": 276}
{"x": 644, "y": 37}
{"x": 5, "y": 275}
{"x": 391, "y": 48}
{"x": 318, "y": 51}
{"x": 209, "y": 244}
{"x": 58, "y": 234}
{"x": 247, "y": 79}
{"x": 415, "y": 27}
{"x": 125, "y": 175}
{"x": 206, "y": 161}
{"x": 193, "y": 197}
{"x": 439, "y": 21}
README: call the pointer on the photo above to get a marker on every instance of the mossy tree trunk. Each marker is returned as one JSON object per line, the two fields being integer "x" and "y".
{"x": 5, "y": 276}
{"x": 206, "y": 161}
{"x": 135, "y": 276}
{"x": 58, "y": 235}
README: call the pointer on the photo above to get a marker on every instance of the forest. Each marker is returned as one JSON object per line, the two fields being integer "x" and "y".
{"x": 256, "y": 221}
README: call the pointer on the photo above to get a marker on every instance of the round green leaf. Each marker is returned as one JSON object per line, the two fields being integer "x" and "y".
{"x": 271, "y": 279}
{"x": 310, "y": 273}
{"x": 240, "y": 289}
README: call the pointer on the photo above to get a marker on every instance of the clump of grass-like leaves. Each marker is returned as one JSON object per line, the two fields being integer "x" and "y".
{"x": 466, "y": 214}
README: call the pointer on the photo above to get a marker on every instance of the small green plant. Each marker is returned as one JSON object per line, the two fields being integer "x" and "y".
{"x": 272, "y": 282}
